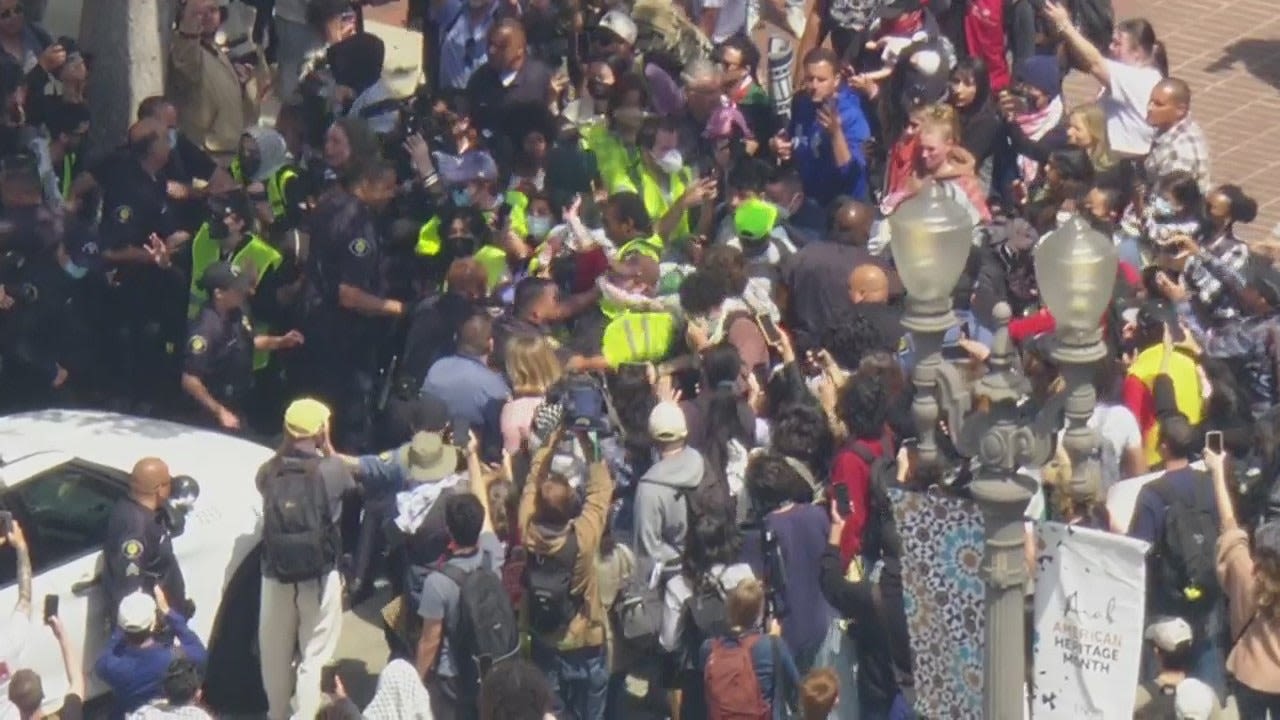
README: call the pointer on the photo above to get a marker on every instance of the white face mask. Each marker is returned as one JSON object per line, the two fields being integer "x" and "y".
{"x": 671, "y": 162}
{"x": 539, "y": 226}
{"x": 173, "y": 138}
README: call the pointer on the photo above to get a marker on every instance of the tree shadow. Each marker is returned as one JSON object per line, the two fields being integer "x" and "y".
{"x": 1261, "y": 59}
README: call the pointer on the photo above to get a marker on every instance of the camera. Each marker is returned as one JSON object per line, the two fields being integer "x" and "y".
{"x": 582, "y": 399}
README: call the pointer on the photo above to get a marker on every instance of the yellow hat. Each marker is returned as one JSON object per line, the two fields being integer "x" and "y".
{"x": 305, "y": 417}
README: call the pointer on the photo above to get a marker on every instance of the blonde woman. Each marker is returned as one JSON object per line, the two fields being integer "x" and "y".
{"x": 532, "y": 368}
{"x": 1250, "y": 578}
{"x": 1087, "y": 130}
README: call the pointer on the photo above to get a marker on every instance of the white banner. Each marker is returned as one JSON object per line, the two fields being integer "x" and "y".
{"x": 1090, "y": 592}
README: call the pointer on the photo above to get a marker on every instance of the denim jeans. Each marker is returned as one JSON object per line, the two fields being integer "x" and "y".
{"x": 579, "y": 680}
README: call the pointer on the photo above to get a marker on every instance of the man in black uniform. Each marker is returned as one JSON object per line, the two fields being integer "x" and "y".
{"x": 346, "y": 301}
{"x": 217, "y": 372}
{"x": 138, "y": 235}
{"x": 138, "y": 550}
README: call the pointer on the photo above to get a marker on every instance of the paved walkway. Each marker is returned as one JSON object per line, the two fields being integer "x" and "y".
{"x": 1229, "y": 52}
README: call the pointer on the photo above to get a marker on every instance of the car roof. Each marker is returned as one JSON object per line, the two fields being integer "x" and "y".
{"x": 222, "y": 464}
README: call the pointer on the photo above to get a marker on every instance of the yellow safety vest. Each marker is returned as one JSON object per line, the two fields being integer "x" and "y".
{"x": 1186, "y": 390}
{"x": 651, "y": 246}
{"x": 638, "y": 337}
{"x": 68, "y": 162}
{"x": 612, "y": 157}
{"x": 493, "y": 259}
{"x": 205, "y": 252}
{"x": 236, "y": 173}
{"x": 639, "y": 180}
{"x": 275, "y": 191}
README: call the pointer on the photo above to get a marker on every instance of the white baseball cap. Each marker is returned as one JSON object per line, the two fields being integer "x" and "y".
{"x": 1167, "y": 633}
{"x": 618, "y": 23}
{"x": 137, "y": 612}
{"x": 667, "y": 423}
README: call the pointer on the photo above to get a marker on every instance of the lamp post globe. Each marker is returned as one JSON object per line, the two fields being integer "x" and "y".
{"x": 931, "y": 235}
{"x": 1075, "y": 269}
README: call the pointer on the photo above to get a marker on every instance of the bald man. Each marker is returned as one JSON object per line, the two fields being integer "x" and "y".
{"x": 817, "y": 279}
{"x": 1180, "y": 143}
{"x": 138, "y": 551}
{"x": 511, "y": 93}
{"x": 869, "y": 284}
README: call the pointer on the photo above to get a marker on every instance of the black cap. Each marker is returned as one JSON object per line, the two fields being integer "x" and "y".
{"x": 1262, "y": 276}
{"x": 225, "y": 276}
{"x": 231, "y": 203}
{"x": 1155, "y": 313}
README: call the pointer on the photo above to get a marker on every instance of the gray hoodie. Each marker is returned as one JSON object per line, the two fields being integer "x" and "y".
{"x": 661, "y": 507}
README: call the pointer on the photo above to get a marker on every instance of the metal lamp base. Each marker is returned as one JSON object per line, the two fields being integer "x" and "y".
{"x": 1080, "y": 350}
{"x": 928, "y": 317}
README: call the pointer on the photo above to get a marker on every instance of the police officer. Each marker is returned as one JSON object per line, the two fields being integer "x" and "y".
{"x": 44, "y": 330}
{"x": 217, "y": 370}
{"x": 138, "y": 550}
{"x": 138, "y": 234}
{"x": 346, "y": 300}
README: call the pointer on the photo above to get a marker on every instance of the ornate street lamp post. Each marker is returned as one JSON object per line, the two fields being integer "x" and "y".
{"x": 1075, "y": 268}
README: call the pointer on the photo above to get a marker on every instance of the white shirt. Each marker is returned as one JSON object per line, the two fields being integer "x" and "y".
{"x": 1125, "y": 103}
{"x": 678, "y": 591}
{"x": 731, "y": 20}
{"x": 14, "y": 632}
{"x": 1117, "y": 425}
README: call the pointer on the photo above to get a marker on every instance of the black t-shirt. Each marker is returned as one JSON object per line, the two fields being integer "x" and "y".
{"x": 72, "y": 707}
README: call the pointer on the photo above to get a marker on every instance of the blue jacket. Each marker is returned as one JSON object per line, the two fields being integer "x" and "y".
{"x": 136, "y": 674}
{"x": 812, "y": 151}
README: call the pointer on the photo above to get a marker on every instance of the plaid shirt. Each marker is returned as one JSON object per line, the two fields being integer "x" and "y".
{"x": 1181, "y": 147}
{"x": 1207, "y": 276}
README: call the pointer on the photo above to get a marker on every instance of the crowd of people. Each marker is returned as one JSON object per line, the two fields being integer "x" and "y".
{"x": 592, "y": 349}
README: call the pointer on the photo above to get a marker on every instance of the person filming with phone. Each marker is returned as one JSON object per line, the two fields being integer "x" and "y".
{"x": 25, "y": 688}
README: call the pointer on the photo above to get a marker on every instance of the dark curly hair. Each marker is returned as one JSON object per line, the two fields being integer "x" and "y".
{"x": 852, "y": 336}
{"x": 801, "y": 431}
{"x": 701, "y": 292}
{"x": 863, "y": 406}
{"x": 772, "y": 481}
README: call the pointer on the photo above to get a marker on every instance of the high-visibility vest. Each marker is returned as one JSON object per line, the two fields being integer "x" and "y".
{"x": 651, "y": 246}
{"x": 205, "y": 251}
{"x": 1186, "y": 388}
{"x": 236, "y": 173}
{"x": 638, "y": 337}
{"x": 275, "y": 191}
{"x": 493, "y": 259}
{"x": 68, "y": 163}
{"x": 612, "y": 157}
{"x": 643, "y": 182}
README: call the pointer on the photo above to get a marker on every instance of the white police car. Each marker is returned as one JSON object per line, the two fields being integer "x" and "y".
{"x": 61, "y": 471}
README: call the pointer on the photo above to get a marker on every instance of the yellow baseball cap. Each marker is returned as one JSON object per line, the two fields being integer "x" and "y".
{"x": 305, "y": 417}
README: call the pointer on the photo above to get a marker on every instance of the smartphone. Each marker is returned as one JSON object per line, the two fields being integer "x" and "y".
{"x": 50, "y": 607}
{"x": 1213, "y": 441}
{"x": 772, "y": 333}
{"x": 842, "y": 499}
{"x": 329, "y": 679}
{"x": 6, "y": 523}
{"x": 502, "y": 216}
{"x": 461, "y": 432}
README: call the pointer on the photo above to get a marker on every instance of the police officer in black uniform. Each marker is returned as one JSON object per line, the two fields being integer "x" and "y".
{"x": 347, "y": 307}
{"x": 138, "y": 234}
{"x": 217, "y": 370}
{"x": 44, "y": 335}
{"x": 138, "y": 550}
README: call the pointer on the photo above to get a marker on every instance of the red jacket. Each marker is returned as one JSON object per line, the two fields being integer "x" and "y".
{"x": 854, "y": 473}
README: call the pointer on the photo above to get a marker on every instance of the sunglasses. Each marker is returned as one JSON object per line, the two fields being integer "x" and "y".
{"x": 15, "y": 10}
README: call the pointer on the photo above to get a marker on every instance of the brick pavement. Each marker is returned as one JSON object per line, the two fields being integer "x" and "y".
{"x": 1229, "y": 51}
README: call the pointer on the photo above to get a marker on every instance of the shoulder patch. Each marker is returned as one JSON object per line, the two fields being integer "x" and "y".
{"x": 244, "y": 320}
{"x": 123, "y": 213}
{"x": 131, "y": 549}
{"x": 197, "y": 344}
{"x": 359, "y": 247}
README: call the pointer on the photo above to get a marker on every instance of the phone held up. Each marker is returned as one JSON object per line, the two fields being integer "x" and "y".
{"x": 50, "y": 607}
{"x": 1213, "y": 441}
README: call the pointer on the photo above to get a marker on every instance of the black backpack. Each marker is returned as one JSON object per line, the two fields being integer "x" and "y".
{"x": 637, "y": 611}
{"x": 880, "y": 537}
{"x": 548, "y": 581}
{"x": 487, "y": 631}
{"x": 1185, "y": 553}
{"x": 300, "y": 540}
{"x": 706, "y": 616}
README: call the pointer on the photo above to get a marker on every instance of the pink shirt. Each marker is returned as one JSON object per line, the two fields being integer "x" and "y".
{"x": 516, "y": 421}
